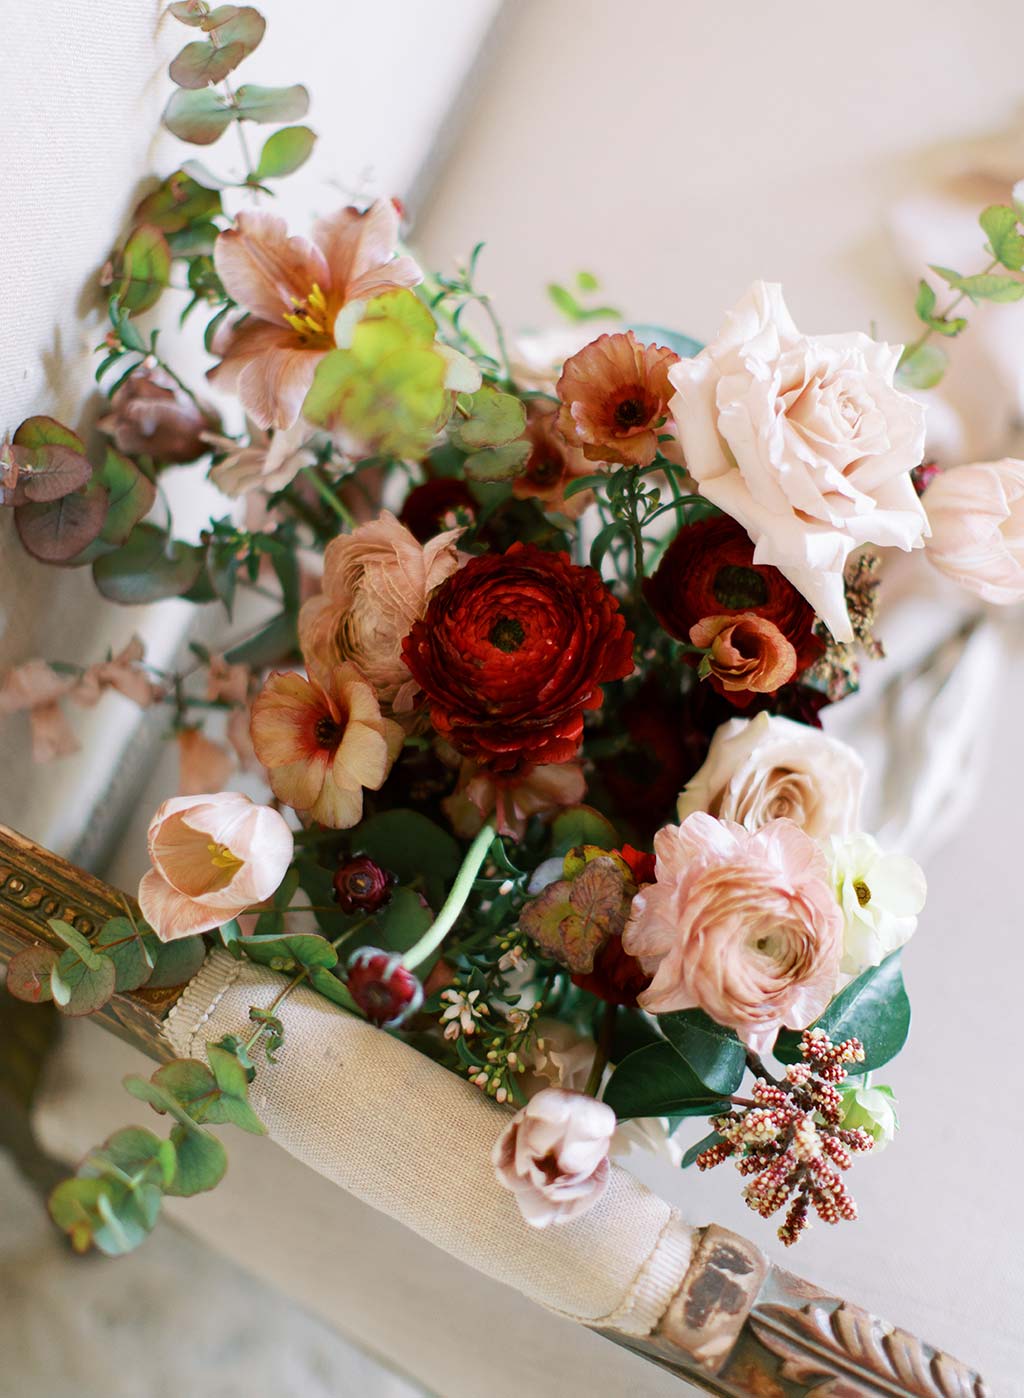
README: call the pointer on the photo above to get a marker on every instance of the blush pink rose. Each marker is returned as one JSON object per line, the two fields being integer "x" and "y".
{"x": 977, "y": 517}
{"x": 742, "y": 925}
{"x": 553, "y": 1155}
{"x": 213, "y": 856}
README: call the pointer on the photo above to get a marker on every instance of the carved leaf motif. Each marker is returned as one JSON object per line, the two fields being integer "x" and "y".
{"x": 850, "y": 1354}
{"x": 572, "y": 919}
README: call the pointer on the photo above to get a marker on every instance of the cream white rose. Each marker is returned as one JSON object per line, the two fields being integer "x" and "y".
{"x": 805, "y": 442}
{"x": 767, "y": 768}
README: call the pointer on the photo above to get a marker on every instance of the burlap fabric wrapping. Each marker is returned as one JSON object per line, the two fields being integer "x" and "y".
{"x": 402, "y": 1133}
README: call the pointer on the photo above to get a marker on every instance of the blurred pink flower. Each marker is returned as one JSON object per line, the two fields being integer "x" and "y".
{"x": 202, "y": 762}
{"x": 269, "y": 462}
{"x": 293, "y": 290}
{"x": 553, "y": 1155}
{"x": 743, "y": 925}
{"x": 977, "y": 517}
{"x": 36, "y": 689}
{"x": 541, "y": 791}
{"x": 213, "y": 856}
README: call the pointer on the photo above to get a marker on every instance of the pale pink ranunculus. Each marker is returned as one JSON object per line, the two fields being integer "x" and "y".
{"x": 805, "y": 442}
{"x": 553, "y": 1155}
{"x": 377, "y": 581}
{"x": 213, "y": 856}
{"x": 744, "y": 926}
{"x": 769, "y": 767}
{"x": 977, "y": 517}
{"x": 293, "y": 291}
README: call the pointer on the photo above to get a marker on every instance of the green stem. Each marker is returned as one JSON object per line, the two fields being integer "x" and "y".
{"x": 328, "y": 496}
{"x": 944, "y": 315}
{"x": 293, "y": 984}
{"x": 602, "y": 1052}
{"x": 454, "y": 903}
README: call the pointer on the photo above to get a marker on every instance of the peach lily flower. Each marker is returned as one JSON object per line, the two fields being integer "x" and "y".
{"x": 213, "y": 856}
{"x": 293, "y": 290}
{"x": 323, "y": 740}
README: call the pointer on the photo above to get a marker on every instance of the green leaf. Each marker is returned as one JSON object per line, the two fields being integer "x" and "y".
{"x": 79, "y": 988}
{"x": 199, "y": 117}
{"x": 201, "y": 64}
{"x": 143, "y": 269}
{"x": 144, "y": 1157}
{"x": 231, "y": 1079}
{"x": 711, "y": 1139}
{"x": 104, "y": 1212}
{"x": 202, "y": 1162}
{"x": 925, "y": 308}
{"x": 400, "y": 925}
{"x": 147, "y": 567}
{"x": 328, "y": 985}
{"x": 683, "y": 345}
{"x": 655, "y": 1081}
{"x": 582, "y": 825}
{"x": 190, "y": 12}
{"x": 999, "y": 222}
{"x": 28, "y": 974}
{"x": 271, "y": 104}
{"x": 284, "y": 152}
{"x": 921, "y": 366}
{"x": 985, "y": 286}
{"x": 41, "y": 431}
{"x": 130, "y": 496}
{"x": 409, "y": 845}
{"x": 586, "y": 281}
{"x": 56, "y": 531}
{"x": 288, "y": 954}
{"x": 604, "y": 540}
{"x": 278, "y": 640}
{"x": 176, "y": 962}
{"x": 177, "y": 202}
{"x": 498, "y": 463}
{"x": 495, "y": 419}
{"x": 75, "y": 942}
{"x": 715, "y": 1054}
{"x": 132, "y": 952}
{"x": 874, "y": 1009}
{"x": 581, "y": 483}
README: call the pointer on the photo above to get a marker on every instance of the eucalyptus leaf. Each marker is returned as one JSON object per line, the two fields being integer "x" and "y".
{"x": 199, "y": 117}
{"x": 143, "y": 269}
{"x": 683, "y": 345}
{"x": 132, "y": 952}
{"x": 28, "y": 974}
{"x": 201, "y": 1162}
{"x": 75, "y": 942}
{"x": 271, "y": 104}
{"x": 985, "y": 286}
{"x": 201, "y": 64}
{"x": 921, "y": 366}
{"x": 148, "y": 567}
{"x": 176, "y": 962}
{"x": 495, "y": 418}
{"x": 56, "y": 531}
{"x": 284, "y": 152}
{"x": 498, "y": 463}
{"x": 79, "y": 988}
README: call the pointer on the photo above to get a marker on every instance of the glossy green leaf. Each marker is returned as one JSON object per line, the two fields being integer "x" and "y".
{"x": 142, "y": 270}
{"x": 715, "y": 1054}
{"x": 400, "y": 924}
{"x": 199, "y": 117}
{"x": 874, "y": 1009}
{"x": 655, "y": 1081}
{"x": 271, "y": 104}
{"x": 711, "y": 1139}
{"x": 147, "y": 568}
{"x": 284, "y": 152}
{"x": 410, "y": 846}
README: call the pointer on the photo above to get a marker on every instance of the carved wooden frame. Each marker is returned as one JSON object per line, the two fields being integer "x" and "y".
{"x": 738, "y": 1327}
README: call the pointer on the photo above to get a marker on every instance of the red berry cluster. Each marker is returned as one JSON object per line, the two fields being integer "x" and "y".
{"x": 791, "y": 1139}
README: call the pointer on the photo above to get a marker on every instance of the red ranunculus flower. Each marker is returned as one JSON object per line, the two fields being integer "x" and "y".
{"x": 510, "y": 652}
{"x": 709, "y": 571}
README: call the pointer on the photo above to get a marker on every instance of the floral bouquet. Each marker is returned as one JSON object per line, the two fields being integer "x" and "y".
{"x": 532, "y": 713}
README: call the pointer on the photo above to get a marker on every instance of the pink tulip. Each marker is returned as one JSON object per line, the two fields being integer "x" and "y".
{"x": 553, "y": 1155}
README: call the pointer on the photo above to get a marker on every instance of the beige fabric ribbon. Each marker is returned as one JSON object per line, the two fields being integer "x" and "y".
{"x": 397, "y": 1130}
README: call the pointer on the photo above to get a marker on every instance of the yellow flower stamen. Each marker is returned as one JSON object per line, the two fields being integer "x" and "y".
{"x": 310, "y": 317}
{"x": 222, "y": 858}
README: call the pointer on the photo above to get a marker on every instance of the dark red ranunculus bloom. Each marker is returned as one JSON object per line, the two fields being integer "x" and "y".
{"x": 511, "y": 651}
{"x": 429, "y": 507}
{"x": 709, "y": 570}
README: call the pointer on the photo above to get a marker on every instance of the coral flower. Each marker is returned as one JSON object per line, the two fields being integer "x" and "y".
{"x": 322, "y": 740}
{"x": 615, "y": 395}
{"x": 552, "y": 465}
{"x": 293, "y": 290}
{"x": 213, "y": 856}
{"x": 747, "y": 654}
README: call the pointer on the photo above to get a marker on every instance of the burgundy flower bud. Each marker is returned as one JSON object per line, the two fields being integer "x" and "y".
{"x": 922, "y": 476}
{"x": 361, "y": 885}
{"x": 151, "y": 416}
{"x": 382, "y": 988}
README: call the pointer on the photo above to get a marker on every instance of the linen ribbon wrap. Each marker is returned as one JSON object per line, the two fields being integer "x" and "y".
{"x": 405, "y": 1135}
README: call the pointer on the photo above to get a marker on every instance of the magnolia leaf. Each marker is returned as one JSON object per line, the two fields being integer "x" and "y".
{"x": 656, "y": 1081}
{"x": 28, "y": 974}
{"x": 132, "y": 951}
{"x": 715, "y": 1054}
{"x": 178, "y": 202}
{"x": 985, "y": 286}
{"x": 495, "y": 418}
{"x": 921, "y": 366}
{"x": 176, "y": 962}
{"x": 1007, "y": 245}
{"x": 80, "y": 988}
{"x": 199, "y": 117}
{"x": 142, "y": 270}
{"x": 572, "y": 920}
{"x": 270, "y": 104}
{"x": 498, "y": 463}
{"x": 147, "y": 567}
{"x": 874, "y": 1008}
{"x": 284, "y": 152}
{"x": 201, "y": 64}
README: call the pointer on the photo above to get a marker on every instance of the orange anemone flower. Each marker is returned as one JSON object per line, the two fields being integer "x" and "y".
{"x": 293, "y": 290}
{"x": 323, "y": 740}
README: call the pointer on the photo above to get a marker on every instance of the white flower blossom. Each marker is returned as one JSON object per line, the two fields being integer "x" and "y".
{"x": 880, "y": 895}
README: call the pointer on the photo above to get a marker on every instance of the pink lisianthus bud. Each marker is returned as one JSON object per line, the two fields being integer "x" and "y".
{"x": 361, "y": 885}
{"x": 977, "y": 518}
{"x": 382, "y": 988}
{"x": 553, "y": 1155}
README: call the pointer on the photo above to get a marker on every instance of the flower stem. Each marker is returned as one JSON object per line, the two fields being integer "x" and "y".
{"x": 944, "y": 314}
{"x": 756, "y": 1066}
{"x": 328, "y": 496}
{"x": 454, "y": 903}
{"x": 603, "y": 1051}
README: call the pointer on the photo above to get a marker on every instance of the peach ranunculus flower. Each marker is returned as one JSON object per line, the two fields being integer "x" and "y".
{"x": 553, "y": 1156}
{"x": 614, "y": 396}
{"x": 213, "y": 856}
{"x": 293, "y": 290}
{"x": 377, "y": 581}
{"x": 805, "y": 442}
{"x": 323, "y": 740}
{"x": 977, "y": 517}
{"x": 744, "y": 926}
{"x": 552, "y": 465}
{"x": 748, "y": 654}
{"x": 767, "y": 768}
